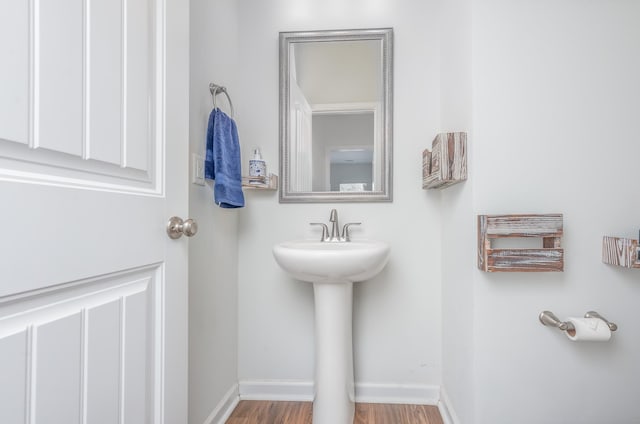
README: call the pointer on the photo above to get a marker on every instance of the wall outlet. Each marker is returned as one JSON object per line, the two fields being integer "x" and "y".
{"x": 197, "y": 168}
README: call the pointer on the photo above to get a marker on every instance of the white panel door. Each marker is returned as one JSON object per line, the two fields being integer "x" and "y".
{"x": 93, "y": 162}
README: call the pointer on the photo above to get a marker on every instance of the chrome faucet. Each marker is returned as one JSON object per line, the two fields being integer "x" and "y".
{"x": 335, "y": 229}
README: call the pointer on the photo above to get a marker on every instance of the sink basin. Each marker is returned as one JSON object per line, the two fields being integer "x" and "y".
{"x": 319, "y": 262}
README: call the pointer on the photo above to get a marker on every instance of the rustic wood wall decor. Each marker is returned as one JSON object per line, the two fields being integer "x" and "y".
{"x": 446, "y": 163}
{"x": 548, "y": 258}
{"x": 620, "y": 251}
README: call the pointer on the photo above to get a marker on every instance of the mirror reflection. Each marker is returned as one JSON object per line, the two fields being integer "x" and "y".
{"x": 335, "y": 100}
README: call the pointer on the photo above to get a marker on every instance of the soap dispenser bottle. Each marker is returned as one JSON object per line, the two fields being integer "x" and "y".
{"x": 257, "y": 168}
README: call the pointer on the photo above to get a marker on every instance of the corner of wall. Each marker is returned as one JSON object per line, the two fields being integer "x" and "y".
{"x": 213, "y": 253}
{"x": 458, "y": 232}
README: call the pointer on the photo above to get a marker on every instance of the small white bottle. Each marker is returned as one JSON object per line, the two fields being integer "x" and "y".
{"x": 257, "y": 168}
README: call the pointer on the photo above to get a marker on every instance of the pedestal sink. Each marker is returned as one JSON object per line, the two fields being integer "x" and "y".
{"x": 333, "y": 267}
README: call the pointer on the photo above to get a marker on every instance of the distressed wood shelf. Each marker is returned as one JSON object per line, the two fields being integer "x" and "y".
{"x": 446, "y": 163}
{"x": 548, "y": 227}
{"x": 269, "y": 182}
{"x": 620, "y": 251}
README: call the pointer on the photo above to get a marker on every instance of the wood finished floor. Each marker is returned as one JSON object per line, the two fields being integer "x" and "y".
{"x": 268, "y": 412}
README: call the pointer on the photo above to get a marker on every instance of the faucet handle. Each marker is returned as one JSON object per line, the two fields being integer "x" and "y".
{"x": 325, "y": 230}
{"x": 345, "y": 230}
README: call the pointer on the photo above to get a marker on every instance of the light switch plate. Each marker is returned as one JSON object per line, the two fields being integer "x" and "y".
{"x": 197, "y": 167}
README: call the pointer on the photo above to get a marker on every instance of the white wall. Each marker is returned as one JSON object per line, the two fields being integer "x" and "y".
{"x": 213, "y": 253}
{"x": 555, "y": 106}
{"x": 397, "y": 326}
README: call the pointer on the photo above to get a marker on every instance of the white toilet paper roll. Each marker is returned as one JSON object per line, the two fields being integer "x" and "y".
{"x": 588, "y": 329}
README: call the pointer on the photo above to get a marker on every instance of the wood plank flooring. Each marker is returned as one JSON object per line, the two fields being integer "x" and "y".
{"x": 268, "y": 412}
{"x": 382, "y": 413}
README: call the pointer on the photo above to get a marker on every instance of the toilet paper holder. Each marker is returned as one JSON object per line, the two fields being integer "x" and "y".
{"x": 549, "y": 318}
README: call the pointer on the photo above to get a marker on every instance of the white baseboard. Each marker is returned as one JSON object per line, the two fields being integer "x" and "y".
{"x": 415, "y": 394}
{"x": 446, "y": 410}
{"x": 412, "y": 394}
{"x": 225, "y": 407}
{"x": 291, "y": 390}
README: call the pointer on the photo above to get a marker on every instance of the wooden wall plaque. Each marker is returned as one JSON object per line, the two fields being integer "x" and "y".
{"x": 548, "y": 258}
{"x": 446, "y": 163}
{"x": 620, "y": 251}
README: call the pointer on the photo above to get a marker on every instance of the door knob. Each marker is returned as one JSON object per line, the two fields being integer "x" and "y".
{"x": 176, "y": 227}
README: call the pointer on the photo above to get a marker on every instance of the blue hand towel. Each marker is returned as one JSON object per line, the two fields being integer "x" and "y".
{"x": 222, "y": 161}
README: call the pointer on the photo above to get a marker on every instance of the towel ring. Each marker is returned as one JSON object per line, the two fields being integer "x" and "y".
{"x": 216, "y": 89}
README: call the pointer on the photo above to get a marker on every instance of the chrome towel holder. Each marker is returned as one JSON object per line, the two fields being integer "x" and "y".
{"x": 549, "y": 318}
{"x": 216, "y": 89}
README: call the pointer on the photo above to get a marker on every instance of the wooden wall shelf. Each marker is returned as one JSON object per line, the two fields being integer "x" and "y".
{"x": 446, "y": 163}
{"x": 548, "y": 227}
{"x": 269, "y": 182}
{"x": 620, "y": 251}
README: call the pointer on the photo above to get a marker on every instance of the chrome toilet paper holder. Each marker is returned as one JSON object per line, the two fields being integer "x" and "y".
{"x": 550, "y": 319}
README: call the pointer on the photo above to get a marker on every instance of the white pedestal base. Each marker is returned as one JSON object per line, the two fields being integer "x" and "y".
{"x": 334, "y": 388}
